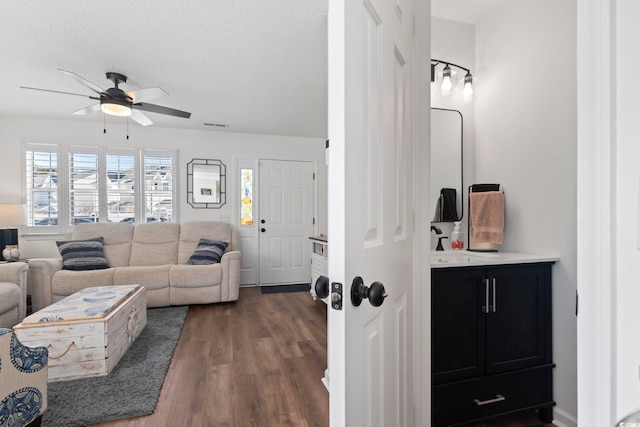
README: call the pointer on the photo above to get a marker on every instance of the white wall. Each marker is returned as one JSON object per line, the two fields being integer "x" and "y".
{"x": 526, "y": 141}
{"x": 190, "y": 144}
{"x": 454, "y": 42}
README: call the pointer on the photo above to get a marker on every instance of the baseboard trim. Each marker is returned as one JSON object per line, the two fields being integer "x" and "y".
{"x": 562, "y": 418}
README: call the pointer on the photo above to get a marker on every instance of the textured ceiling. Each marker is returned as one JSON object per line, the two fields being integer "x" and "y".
{"x": 257, "y": 65}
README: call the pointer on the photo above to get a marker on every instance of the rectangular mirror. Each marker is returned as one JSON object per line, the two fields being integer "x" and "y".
{"x": 446, "y": 165}
{"x": 206, "y": 183}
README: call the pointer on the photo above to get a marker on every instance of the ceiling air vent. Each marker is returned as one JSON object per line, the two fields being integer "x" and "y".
{"x": 217, "y": 125}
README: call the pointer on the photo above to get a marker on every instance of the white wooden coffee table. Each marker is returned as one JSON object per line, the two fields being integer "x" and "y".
{"x": 88, "y": 332}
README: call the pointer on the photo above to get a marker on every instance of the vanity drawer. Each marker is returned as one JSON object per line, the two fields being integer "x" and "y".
{"x": 479, "y": 398}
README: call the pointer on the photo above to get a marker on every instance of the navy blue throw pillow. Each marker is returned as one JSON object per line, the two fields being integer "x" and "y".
{"x": 207, "y": 252}
{"x": 81, "y": 255}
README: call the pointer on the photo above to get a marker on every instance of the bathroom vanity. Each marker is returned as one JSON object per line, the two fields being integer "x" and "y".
{"x": 491, "y": 330}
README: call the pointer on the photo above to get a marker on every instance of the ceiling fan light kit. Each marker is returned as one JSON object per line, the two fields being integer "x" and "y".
{"x": 115, "y": 107}
{"x": 116, "y": 102}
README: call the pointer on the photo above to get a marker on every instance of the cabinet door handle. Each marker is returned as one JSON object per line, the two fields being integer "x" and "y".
{"x": 485, "y": 307}
{"x": 498, "y": 398}
{"x": 493, "y": 283}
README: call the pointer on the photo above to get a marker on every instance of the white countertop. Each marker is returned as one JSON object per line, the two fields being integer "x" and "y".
{"x": 464, "y": 258}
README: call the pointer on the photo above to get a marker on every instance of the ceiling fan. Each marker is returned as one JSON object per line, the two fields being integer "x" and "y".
{"x": 116, "y": 102}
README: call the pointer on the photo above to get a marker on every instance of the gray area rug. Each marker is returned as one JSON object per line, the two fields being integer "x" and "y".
{"x": 131, "y": 389}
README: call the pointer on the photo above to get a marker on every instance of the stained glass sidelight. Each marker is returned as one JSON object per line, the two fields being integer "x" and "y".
{"x": 246, "y": 197}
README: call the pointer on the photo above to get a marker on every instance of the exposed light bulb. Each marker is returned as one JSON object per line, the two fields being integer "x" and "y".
{"x": 467, "y": 91}
{"x": 445, "y": 88}
{"x": 447, "y": 84}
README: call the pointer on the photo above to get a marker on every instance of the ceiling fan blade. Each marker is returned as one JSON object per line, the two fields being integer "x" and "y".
{"x": 90, "y": 109}
{"x": 55, "y": 91}
{"x": 94, "y": 87}
{"x": 140, "y": 118}
{"x": 146, "y": 94}
{"x": 152, "y": 108}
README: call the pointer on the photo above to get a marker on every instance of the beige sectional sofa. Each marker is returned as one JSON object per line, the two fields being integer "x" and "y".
{"x": 154, "y": 255}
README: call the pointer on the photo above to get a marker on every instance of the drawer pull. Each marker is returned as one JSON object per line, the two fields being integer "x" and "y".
{"x": 499, "y": 398}
{"x": 486, "y": 308}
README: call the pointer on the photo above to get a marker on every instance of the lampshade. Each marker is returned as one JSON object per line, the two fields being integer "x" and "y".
{"x": 115, "y": 107}
{"x": 12, "y": 215}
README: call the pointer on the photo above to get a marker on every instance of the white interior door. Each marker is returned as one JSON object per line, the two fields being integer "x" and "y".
{"x": 285, "y": 221}
{"x": 371, "y": 208}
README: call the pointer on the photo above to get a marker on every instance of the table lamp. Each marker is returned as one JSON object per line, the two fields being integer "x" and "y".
{"x": 11, "y": 215}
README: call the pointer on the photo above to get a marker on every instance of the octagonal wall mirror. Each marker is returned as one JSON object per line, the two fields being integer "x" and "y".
{"x": 206, "y": 183}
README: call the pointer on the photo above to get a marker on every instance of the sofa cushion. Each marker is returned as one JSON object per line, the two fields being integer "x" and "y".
{"x": 151, "y": 277}
{"x": 10, "y": 295}
{"x": 116, "y": 239}
{"x": 155, "y": 243}
{"x": 65, "y": 282}
{"x": 195, "y": 276}
{"x": 207, "y": 252}
{"x": 81, "y": 255}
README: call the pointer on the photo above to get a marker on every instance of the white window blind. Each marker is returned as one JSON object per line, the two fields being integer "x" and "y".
{"x": 41, "y": 185}
{"x": 84, "y": 195}
{"x": 158, "y": 178}
{"x": 121, "y": 187}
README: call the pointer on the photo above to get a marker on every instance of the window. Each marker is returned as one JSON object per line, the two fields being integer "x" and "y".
{"x": 158, "y": 178}
{"x": 84, "y": 194}
{"x": 121, "y": 188}
{"x": 67, "y": 185}
{"x": 42, "y": 185}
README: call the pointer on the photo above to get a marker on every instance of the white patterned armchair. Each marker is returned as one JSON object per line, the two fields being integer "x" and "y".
{"x": 23, "y": 381}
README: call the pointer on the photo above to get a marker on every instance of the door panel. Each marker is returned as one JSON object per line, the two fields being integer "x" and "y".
{"x": 370, "y": 213}
{"x": 286, "y": 221}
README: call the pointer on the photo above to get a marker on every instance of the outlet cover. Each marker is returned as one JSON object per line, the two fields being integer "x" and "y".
{"x": 225, "y": 217}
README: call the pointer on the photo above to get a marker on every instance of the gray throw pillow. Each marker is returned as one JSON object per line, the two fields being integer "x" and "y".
{"x": 80, "y": 255}
{"x": 208, "y": 252}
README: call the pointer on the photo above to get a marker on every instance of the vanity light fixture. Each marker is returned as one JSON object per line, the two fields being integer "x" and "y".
{"x": 446, "y": 83}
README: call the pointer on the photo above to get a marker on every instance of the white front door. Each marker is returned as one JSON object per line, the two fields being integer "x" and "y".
{"x": 373, "y": 376}
{"x": 285, "y": 221}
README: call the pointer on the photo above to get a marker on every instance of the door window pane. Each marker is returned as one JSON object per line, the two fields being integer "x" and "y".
{"x": 246, "y": 197}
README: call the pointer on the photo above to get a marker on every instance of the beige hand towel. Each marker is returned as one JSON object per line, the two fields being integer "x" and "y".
{"x": 487, "y": 216}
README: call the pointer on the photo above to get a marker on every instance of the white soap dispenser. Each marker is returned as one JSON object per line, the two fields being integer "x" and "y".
{"x": 457, "y": 238}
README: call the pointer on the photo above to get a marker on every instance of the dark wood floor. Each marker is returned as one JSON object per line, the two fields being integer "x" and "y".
{"x": 255, "y": 362}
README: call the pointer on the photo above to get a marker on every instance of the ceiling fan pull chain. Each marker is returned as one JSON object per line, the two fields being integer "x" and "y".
{"x": 104, "y": 123}
{"x": 127, "y": 127}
